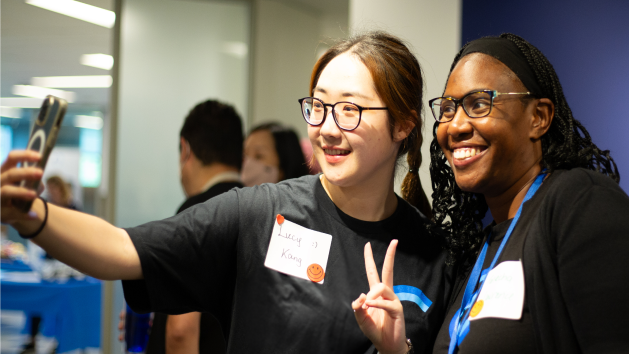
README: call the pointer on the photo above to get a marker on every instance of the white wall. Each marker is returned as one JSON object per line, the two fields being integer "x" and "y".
{"x": 288, "y": 35}
{"x": 433, "y": 30}
{"x": 173, "y": 55}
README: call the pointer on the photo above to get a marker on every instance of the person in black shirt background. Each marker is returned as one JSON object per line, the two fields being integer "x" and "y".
{"x": 210, "y": 158}
{"x": 210, "y": 148}
{"x": 549, "y": 275}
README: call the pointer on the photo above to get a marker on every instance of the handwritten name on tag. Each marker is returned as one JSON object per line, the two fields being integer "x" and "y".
{"x": 293, "y": 249}
{"x": 502, "y": 295}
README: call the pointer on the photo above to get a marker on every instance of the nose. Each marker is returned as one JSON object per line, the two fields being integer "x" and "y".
{"x": 460, "y": 124}
{"x": 329, "y": 127}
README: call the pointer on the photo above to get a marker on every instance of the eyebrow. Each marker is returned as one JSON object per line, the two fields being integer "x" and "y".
{"x": 344, "y": 94}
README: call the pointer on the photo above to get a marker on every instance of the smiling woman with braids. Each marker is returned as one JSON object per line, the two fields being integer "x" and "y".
{"x": 550, "y": 274}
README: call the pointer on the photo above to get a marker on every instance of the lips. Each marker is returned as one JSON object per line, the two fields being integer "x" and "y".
{"x": 335, "y": 155}
{"x": 335, "y": 152}
{"x": 463, "y": 156}
{"x": 466, "y": 152}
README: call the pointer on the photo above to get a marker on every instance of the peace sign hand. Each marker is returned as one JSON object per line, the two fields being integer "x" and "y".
{"x": 379, "y": 313}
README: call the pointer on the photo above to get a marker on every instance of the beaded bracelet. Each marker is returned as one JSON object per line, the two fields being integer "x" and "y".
{"x": 42, "y": 224}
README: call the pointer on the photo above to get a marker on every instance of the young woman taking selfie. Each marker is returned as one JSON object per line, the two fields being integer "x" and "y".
{"x": 279, "y": 264}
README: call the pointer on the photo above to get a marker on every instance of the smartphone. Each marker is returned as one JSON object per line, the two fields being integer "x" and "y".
{"x": 42, "y": 139}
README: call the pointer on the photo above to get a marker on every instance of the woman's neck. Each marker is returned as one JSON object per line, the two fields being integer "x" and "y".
{"x": 505, "y": 205}
{"x": 368, "y": 202}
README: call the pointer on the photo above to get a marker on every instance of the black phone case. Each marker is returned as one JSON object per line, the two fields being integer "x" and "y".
{"x": 42, "y": 139}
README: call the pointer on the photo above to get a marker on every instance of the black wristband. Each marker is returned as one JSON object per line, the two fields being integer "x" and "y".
{"x": 42, "y": 224}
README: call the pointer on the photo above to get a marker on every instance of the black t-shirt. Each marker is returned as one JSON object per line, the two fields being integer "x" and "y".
{"x": 572, "y": 240}
{"x": 210, "y": 258}
{"x": 507, "y": 336}
{"x": 212, "y": 339}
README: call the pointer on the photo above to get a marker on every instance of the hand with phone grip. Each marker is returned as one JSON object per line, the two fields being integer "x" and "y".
{"x": 12, "y": 190}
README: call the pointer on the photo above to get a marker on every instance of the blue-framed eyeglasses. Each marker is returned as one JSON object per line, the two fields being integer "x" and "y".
{"x": 347, "y": 115}
{"x": 476, "y": 104}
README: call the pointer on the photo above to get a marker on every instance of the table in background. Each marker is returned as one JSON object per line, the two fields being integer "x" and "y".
{"x": 70, "y": 311}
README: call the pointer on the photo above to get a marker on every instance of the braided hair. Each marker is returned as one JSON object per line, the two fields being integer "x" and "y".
{"x": 566, "y": 145}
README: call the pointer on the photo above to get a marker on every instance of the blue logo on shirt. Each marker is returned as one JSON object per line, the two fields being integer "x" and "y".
{"x": 411, "y": 293}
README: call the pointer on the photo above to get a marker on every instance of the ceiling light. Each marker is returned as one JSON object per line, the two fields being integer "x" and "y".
{"x": 42, "y": 92}
{"x": 79, "y": 10}
{"x": 88, "y": 122}
{"x": 237, "y": 49}
{"x": 10, "y": 112}
{"x": 101, "y": 61}
{"x": 21, "y": 102}
{"x": 72, "y": 81}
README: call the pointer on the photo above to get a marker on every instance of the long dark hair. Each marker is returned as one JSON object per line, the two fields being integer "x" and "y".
{"x": 292, "y": 160}
{"x": 398, "y": 81}
{"x": 566, "y": 145}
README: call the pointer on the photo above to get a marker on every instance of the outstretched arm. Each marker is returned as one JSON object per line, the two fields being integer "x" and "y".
{"x": 379, "y": 313}
{"x": 82, "y": 241}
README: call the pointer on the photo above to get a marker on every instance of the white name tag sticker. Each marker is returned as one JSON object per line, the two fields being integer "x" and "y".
{"x": 298, "y": 251}
{"x": 502, "y": 295}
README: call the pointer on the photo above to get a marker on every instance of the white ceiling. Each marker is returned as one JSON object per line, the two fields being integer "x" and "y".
{"x": 39, "y": 42}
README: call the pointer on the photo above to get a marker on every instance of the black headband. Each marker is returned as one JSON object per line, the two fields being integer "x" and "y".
{"x": 510, "y": 55}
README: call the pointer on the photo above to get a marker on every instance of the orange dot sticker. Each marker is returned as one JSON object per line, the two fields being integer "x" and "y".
{"x": 315, "y": 272}
{"x": 478, "y": 306}
{"x": 280, "y": 219}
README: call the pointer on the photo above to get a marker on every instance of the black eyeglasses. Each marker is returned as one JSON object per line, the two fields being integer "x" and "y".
{"x": 476, "y": 104}
{"x": 347, "y": 115}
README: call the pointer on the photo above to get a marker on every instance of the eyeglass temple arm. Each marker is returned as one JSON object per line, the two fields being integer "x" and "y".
{"x": 373, "y": 108}
{"x": 511, "y": 93}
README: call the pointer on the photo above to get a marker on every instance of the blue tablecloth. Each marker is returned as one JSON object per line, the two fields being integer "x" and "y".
{"x": 16, "y": 265}
{"x": 70, "y": 311}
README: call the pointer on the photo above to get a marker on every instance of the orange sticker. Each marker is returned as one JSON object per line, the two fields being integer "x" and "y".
{"x": 478, "y": 306}
{"x": 280, "y": 219}
{"x": 315, "y": 272}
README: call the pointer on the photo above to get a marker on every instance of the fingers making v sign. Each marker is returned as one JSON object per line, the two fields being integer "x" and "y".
{"x": 379, "y": 313}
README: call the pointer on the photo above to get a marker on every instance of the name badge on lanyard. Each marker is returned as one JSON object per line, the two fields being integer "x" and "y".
{"x": 502, "y": 295}
{"x": 298, "y": 251}
{"x": 460, "y": 324}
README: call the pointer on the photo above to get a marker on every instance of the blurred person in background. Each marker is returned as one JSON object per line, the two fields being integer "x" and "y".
{"x": 272, "y": 154}
{"x": 210, "y": 157}
{"x": 60, "y": 192}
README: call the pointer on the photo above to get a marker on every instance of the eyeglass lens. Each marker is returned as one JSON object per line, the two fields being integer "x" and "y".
{"x": 347, "y": 115}
{"x": 476, "y": 105}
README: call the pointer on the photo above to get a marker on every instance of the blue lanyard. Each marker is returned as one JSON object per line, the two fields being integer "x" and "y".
{"x": 460, "y": 324}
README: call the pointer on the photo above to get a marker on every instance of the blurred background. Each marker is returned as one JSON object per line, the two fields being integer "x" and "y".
{"x": 132, "y": 69}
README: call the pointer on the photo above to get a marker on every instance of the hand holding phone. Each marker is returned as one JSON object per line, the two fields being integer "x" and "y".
{"x": 42, "y": 139}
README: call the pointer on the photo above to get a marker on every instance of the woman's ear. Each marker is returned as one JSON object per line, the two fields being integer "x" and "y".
{"x": 542, "y": 118}
{"x": 404, "y": 128}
